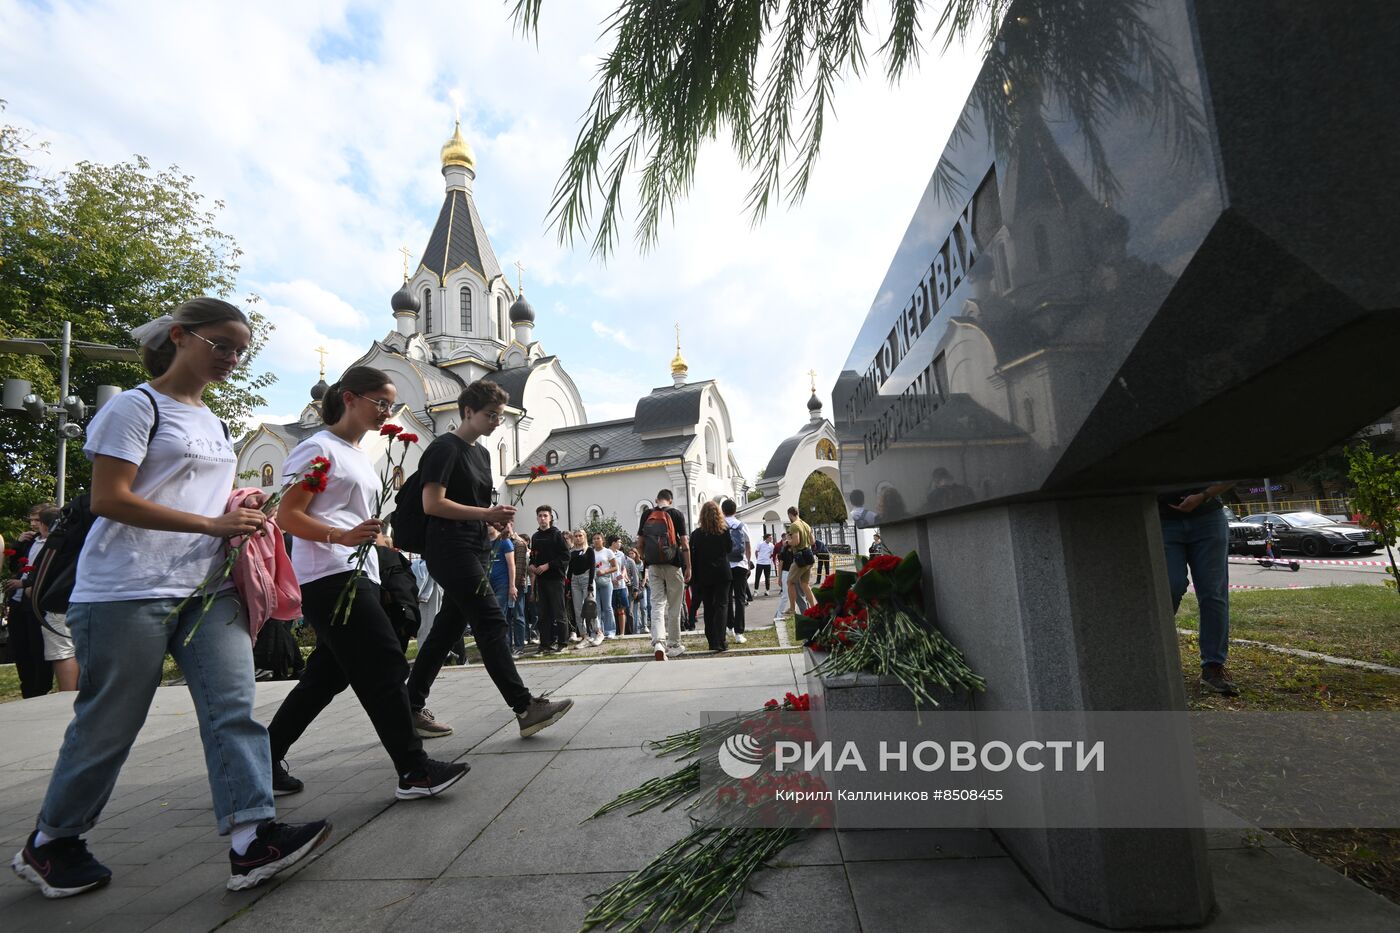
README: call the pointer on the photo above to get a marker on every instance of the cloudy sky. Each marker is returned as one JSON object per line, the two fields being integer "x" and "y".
{"x": 318, "y": 124}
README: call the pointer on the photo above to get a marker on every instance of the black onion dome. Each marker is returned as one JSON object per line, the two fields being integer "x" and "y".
{"x": 404, "y": 300}
{"x": 319, "y": 390}
{"x": 521, "y": 312}
{"x": 814, "y": 403}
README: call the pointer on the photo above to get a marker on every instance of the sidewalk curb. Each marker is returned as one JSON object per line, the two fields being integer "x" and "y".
{"x": 1309, "y": 655}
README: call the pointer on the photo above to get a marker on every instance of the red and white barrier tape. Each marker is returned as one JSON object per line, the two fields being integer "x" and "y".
{"x": 1312, "y": 560}
{"x": 1251, "y": 586}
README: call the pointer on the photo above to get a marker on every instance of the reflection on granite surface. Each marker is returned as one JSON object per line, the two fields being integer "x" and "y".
{"x": 1078, "y": 305}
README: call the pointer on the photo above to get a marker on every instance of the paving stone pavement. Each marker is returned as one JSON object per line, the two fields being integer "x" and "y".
{"x": 505, "y": 849}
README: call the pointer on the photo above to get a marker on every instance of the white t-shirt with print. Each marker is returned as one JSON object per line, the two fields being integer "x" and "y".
{"x": 601, "y": 559}
{"x": 347, "y": 500}
{"x": 189, "y": 465}
{"x": 764, "y": 554}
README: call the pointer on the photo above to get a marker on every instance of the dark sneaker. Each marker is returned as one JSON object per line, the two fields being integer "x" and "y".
{"x": 427, "y": 727}
{"x": 282, "y": 782}
{"x": 60, "y": 867}
{"x": 431, "y": 779}
{"x": 1215, "y": 678}
{"x": 277, "y": 846}
{"x": 541, "y": 714}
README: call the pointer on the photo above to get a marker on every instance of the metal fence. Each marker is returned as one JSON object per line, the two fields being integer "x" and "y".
{"x": 1320, "y": 506}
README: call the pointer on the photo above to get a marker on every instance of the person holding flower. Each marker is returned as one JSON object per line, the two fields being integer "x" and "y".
{"x": 457, "y": 488}
{"x": 162, "y": 468}
{"x": 330, "y": 509}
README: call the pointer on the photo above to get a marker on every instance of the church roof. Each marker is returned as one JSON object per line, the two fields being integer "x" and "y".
{"x": 619, "y": 442}
{"x": 782, "y": 456}
{"x": 513, "y": 379}
{"x": 670, "y": 407}
{"x": 439, "y": 384}
{"x": 460, "y": 240}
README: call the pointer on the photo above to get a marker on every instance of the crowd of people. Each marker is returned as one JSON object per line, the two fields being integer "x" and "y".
{"x": 223, "y": 570}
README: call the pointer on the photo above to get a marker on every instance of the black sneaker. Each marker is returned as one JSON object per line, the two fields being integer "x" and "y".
{"x": 282, "y": 782}
{"x": 540, "y": 714}
{"x": 60, "y": 867}
{"x": 431, "y": 779}
{"x": 1216, "y": 679}
{"x": 277, "y": 846}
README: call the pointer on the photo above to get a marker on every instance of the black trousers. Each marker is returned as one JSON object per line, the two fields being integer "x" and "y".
{"x": 361, "y": 653}
{"x": 738, "y": 593}
{"x": 762, "y": 572}
{"x": 714, "y": 594}
{"x": 459, "y": 571}
{"x": 27, "y": 647}
{"x": 553, "y": 614}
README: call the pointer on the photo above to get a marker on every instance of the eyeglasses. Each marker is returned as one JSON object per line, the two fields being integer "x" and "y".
{"x": 222, "y": 351}
{"x": 383, "y": 404}
{"x": 495, "y": 417}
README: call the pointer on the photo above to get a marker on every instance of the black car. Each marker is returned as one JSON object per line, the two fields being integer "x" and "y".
{"x": 1245, "y": 537}
{"x": 1316, "y": 535}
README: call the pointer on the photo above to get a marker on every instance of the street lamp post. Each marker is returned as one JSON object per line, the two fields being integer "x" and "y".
{"x": 19, "y": 397}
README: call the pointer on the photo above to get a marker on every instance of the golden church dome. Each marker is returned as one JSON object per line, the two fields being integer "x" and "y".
{"x": 456, "y": 151}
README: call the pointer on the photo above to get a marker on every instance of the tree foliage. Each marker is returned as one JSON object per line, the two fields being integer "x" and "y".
{"x": 106, "y": 247}
{"x": 607, "y": 527}
{"x": 765, "y": 73}
{"x": 1376, "y": 496}
{"x": 820, "y": 502}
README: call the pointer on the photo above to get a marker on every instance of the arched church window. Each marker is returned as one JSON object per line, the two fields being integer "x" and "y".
{"x": 502, "y": 450}
{"x": 427, "y": 311}
{"x": 643, "y": 507}
{"x": 1028, "y": 406}
{"x": 711, "y": 449}
{"x": 267, "y": 479}
{"x": 594, "y": 514}
{"x": 466, "y": 309}
{"x": 595, "y": 452}
{"x": 551, "y": 458}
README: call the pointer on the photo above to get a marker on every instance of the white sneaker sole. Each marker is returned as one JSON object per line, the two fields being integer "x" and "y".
{"x": 264, "y": 872}
{"x": 528, "y": 731}
{"x": 27, "y": 872}
{"x": 413, "y": 793}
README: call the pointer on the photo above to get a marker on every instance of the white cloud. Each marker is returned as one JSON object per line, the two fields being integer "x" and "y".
{"x": 616, "y": 336}
{"x": 318, "y": 125}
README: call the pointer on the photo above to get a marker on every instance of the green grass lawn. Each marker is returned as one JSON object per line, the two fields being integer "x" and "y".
{"x": 1358, "y": 621}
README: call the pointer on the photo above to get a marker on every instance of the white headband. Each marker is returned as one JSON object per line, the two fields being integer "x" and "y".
{"x": 153, "y": 333}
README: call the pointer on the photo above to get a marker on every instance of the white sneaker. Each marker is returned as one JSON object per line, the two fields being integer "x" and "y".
{"x": 596, "y": 640}
{"x": 674, "y": 650}
{"x": 739, "y": 637}
{"x": 573, "y": 636}
{"x": 610, "y": 636}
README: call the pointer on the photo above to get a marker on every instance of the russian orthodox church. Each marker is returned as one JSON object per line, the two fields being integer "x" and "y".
{"x": 458, "y": 319}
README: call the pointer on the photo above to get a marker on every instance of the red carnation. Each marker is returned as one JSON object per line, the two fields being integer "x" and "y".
{"x": 814, "y": 612}
{"x": 320, "y": 464}
{"x": 540, "y": 470}
{"x": 771, "y": 704}
{"x": 883, "y": 563}
{"x": 389, "y": 430}
{"x": 10, "y": 552}
{"x": 314, "y": 482}
{"x": 408, "y": 438}
{"x": 828, "y": 583}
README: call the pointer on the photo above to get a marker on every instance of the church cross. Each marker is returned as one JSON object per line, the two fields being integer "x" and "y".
{"x": 321, "y": 352}
{"x": 406, "y": 255}
{"x": 813, "y": 374}
{"x": 519, "y": 277}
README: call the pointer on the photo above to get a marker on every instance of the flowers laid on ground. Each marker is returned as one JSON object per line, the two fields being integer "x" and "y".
{"x": 313, "y": 481}
{"x": 870, "y": 621}
{"x": 360, "y": 555}
{"x": 700, "y": 880}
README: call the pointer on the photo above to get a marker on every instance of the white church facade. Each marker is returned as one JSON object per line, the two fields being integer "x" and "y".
{"x": 457, "y": 320}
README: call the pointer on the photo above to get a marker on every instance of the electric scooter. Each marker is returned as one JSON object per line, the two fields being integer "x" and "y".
{"x": 1269, "y": 561}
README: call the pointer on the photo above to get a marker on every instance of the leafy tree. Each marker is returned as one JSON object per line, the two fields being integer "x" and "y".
{"x": 755, "y": 494}
{"x": 1377, "y": 495}
{"x": 820, "y": 502}
{"x": 765, "y": 72}
{"x": 106, "y": 247}
{"x": 607, "y": 527}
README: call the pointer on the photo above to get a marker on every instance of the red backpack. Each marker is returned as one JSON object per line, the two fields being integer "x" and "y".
{"x": 659, "y": 538}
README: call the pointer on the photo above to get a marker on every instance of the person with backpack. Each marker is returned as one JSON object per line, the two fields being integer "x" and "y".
{"x": 457, "y": 489}
{"x": 398, "y": 590}
{"x": 162, "y": 468}
{"x": 665, "y": 548}
{"x": 361, "y": 650}
{"x": 710, "y": 548}
{"x": 740, "y": 557}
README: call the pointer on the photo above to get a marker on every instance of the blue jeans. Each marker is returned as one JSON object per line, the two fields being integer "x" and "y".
{"x": 603, "y": 587}
{"x": 502, "y": 591}
{"x": 121, "y": 648}
{"x": 516, "y": 618}
{"x": 1202, "y": 543}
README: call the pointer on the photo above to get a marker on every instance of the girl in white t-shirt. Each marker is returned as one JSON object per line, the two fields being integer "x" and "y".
{"x": 363, "y": 651}
{"x": 162, "y": 470}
